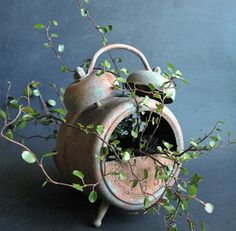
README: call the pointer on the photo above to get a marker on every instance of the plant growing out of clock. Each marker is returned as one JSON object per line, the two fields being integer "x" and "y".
{"x": 140, "y": 156}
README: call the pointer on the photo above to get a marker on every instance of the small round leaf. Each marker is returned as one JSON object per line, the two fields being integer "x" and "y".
{"x": 209, "y": 207}
{"x": 61, "y": 47}
{"x": 78, "y": 174}
{"x": 28, "y": 157}
{"x": 36, "y": 92}
{"x": 126, "y": 156}
{"x": 3, "y": 115}
{"x": 92, "y": 196}
{"x": 51, "y": 102}
{"x": 39, "y": 26}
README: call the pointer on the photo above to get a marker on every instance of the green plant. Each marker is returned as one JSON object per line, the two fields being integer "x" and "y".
{"x": 176, "y": 199}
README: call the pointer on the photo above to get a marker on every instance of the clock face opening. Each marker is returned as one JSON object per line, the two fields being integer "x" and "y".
{"x": 140, "y": 136}
{"x": 131, "y": 169}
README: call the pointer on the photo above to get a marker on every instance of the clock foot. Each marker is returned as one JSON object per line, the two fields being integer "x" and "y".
{"x": 101, "y": 213}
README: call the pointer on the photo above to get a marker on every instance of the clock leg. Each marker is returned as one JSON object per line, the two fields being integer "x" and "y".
{"x": 101, "y": 213}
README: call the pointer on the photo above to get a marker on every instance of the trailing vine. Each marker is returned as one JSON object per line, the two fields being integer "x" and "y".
{"x": 22, "y": 111}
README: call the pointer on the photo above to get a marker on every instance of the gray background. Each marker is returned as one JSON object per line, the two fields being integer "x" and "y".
{"x": 197, "y": 36}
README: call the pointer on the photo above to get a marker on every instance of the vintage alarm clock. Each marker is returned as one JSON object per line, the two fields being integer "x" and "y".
{"x": 93, "y": 100}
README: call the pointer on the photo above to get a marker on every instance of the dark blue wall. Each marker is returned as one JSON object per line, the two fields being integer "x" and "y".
{"x": 197, "y": 36}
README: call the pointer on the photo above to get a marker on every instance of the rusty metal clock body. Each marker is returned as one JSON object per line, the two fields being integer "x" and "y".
{"x": 91, "y": 100}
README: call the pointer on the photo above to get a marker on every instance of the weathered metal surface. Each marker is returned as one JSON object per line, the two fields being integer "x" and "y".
{"x": 142, "y": 78}
{"x": 87, "y": 91}
{"x": 118, "y": 46}
{"x": 90, "y": 101}
{"x": 124, "y": 191}
{"x": 77, "y": 150}
{"x": 103, "y": 207}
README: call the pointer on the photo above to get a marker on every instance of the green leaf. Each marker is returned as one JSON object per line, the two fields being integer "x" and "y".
{"x": 169, "y": 208}
{"x": 28, "y": 110}
{"x": 99, "y": 157}
{"x": 209, "y": 208}
{"x": 146, "y": 100}
{"x": 173, "y": 228}
{"x": 34, "y": 83}
{"x": 62, "y": 90}
{"x": 9, "y": 134}
{"x": 49, "y": 154}
{"x": 194, "y": 143}
{"x": 178, "y": 72}
{"x": 92, "y": 196}
{"x": 28, "y": 157}
{"x": 202, "y": 226}
{"x": 151, "y": 86}
{"x": 84, "y": 12}
{"x": 159, "y": 148}
{"x": 87, "y": 1}
{"x": 146, "y": 202}
{"x": 78, "y": 187}
{"x": 54, "y": 35}
{"x": 44, "y": 183}
{"x": 45, "y": 121}
{"x": 109, "y": 28}
{"x": 195, "y": 179}
{"x": 51, "y": 102}
{"x": 22, "y": 124}
{"x": 36, "y": 92}
{"x": 157, "y": 95}
{"x": 186, "y": 156}
{"x": 111, "y": 157}
{"x": 63, "y": 68}
{"x": 47, "y": 45}
{"x": 39, "y": 26}
{"x": 90, "y": 126}
{"x": 27, "y": 117}
{"x": 114, "y": 173}
{"x": 184, "y": 170}
{"x": 167, "y": 145}
{"x": 28, "y": 91}
{"x": 126, "y": 156}
{"x": 104, "y": 29}
{"x": 134, "y": 134}
{"x": 100, "y": 72}
{"x": 124, "y": 70}
{"x": 3, "y": 115}
{"x": 181, "y": 188}
{"x": 86, "y": 63}
{"x": 145, "y": 173}
{"x": 121, "y": 80}
{"x": 59, "y": 111}
{"x": 115, "y": 142}
{"x": 159, "y": 107}
{"x": 100, "y": 129}
{"x": 106, "y": 64}
{"x": 192, "y": 190}
{"x": 105, "y": 151}
{"x": 13, "y": 103}
{"x": 122, "y": 176}
{"x": 78, "y": 174}
{"x": 184, "y": 205}
{"x": 171, "y": 67}
{"x": 104, "y": 41}
{"x": 54, "y": 22}
{"x": 212, "y": 144}
{"x": 169, "y": 193}
{"x": 61, "y": 48}
{"x": 134, "y": 183}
